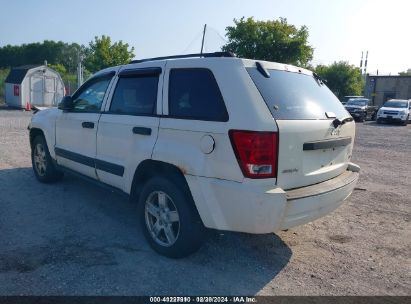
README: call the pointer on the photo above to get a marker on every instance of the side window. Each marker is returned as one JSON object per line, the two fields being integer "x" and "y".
{"x": 194, "y": 94}
{"x": 135, "y": 95}
{"x": 91, "y": 95}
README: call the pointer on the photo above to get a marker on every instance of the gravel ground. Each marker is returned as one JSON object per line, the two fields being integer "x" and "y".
{"x": 74, "y": 238}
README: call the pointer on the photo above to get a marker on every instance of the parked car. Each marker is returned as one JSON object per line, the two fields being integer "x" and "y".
{"x": 211, "y": 142}
{"x": 346, "y": 98}
{"x": 395, "y": 110}
{"x": 361, "y": 109}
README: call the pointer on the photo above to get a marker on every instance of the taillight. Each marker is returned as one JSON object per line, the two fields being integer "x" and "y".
{"x": 256, "y": 152}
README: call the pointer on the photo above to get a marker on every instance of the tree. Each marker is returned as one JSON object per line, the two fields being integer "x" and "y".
{"x": 71, "y": 55}
{"x": 3, "y": 75}
{"x": 405, "y": 73}
{"x": 35, "y": 53}
{"x": 342, "y": 78}
{"x": 59, "y": 68}
{"x": 101, "y": 53}
{"x": 274, "y": 40}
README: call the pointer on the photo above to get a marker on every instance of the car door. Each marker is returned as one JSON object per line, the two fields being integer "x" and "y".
{"x": 128, "y": 127}
{"x": 76, "y": 129}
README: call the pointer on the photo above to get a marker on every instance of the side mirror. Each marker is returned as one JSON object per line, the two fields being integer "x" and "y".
{"x": 66, "y": 104}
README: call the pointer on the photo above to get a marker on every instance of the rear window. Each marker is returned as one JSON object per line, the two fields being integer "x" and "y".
{"x": 291, "y": 95}
{"x": 135, "y": 95}
{"x": 194, "y": 94}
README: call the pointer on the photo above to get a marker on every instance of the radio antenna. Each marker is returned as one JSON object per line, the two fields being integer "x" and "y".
{"x": 202, "y": 42}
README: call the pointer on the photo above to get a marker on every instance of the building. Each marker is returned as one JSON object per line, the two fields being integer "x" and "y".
{"x": 35, "y": 84}
{"x": 381, "y": 88}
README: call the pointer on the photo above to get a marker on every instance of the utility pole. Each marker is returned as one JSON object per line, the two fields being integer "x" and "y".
{"x": 362, "y": 55}
{"x": 364, "y": 73}
{"x": 202, "y": 42}
{"x": 80, "y": 70}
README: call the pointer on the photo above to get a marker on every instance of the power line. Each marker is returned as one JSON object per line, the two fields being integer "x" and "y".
{"x": 199, "y": 34}
{"x": 209, "y": 40}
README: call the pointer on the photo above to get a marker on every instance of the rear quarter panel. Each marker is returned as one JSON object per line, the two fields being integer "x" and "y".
{"x": 179, "y": 140}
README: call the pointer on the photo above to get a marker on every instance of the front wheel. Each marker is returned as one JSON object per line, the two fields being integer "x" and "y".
{"x": 42, "y": 163}
{"x": 406, "y": 120}
{"x": 170, "y": 221}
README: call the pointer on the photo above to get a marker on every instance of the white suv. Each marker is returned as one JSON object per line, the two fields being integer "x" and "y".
{"x": 209, "y": 142}
{"x": 395, "y": 110}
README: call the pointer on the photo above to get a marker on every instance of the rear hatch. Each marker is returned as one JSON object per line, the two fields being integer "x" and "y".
{"x": 316, "y": 133}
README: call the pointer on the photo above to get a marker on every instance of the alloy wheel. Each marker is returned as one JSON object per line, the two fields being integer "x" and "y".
{"x": 40, "y": 160}
{"x": 162, "y": 218}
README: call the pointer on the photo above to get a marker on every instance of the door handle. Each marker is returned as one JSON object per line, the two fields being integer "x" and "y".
{"x": 142, "y": 130}
{"x": 87, "y": 124}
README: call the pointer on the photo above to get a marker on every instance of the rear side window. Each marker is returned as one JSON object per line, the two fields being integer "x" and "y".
{"x": 291, "y": 95}
{"x": 135, "y": 95}
{"x": 194, "y": 94}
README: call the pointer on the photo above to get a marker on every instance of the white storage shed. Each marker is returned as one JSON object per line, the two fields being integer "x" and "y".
{"x": 37, "y": 84}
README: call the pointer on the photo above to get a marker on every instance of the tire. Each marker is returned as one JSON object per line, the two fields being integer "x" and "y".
{"x": 42, "y": 163}
{"x": 406, "y": 120}
{"x": 169, "y": 218}
{"x": 379, "y": 121}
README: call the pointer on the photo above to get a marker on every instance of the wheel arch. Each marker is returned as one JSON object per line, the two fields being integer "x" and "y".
{"x": 34, "y": 132}
{"x": 150, "y": 168}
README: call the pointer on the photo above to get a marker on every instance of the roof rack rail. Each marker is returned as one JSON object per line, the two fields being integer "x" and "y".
{"x": 206, "y": 55}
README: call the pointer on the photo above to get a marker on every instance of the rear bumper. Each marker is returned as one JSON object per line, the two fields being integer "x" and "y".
{"x": 309, "y": 203}
{"x": 247, "y": 207}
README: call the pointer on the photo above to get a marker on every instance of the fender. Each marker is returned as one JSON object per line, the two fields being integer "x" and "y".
{"x": 45, "y": 121}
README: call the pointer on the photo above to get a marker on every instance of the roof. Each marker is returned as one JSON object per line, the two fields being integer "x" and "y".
{"x": 200, "y": 55}
{"x": 17, "y": 74}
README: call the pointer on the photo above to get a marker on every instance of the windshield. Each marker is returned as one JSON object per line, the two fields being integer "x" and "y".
{"x": 296, "y": 96}
{"x": 395, "y": 104}
{"x": 357, "y": 102}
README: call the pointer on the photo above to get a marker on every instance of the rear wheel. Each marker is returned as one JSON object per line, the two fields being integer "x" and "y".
{"x": 169, "y": 219}
{"x": 42, "y": 162}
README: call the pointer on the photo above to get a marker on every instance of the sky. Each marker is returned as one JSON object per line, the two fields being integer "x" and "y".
{"x": 339, "y": 29}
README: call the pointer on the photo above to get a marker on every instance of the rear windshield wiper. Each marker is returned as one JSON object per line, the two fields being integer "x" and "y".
{"x": 319, "y": 79}
{"x": 262, "y": 70}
